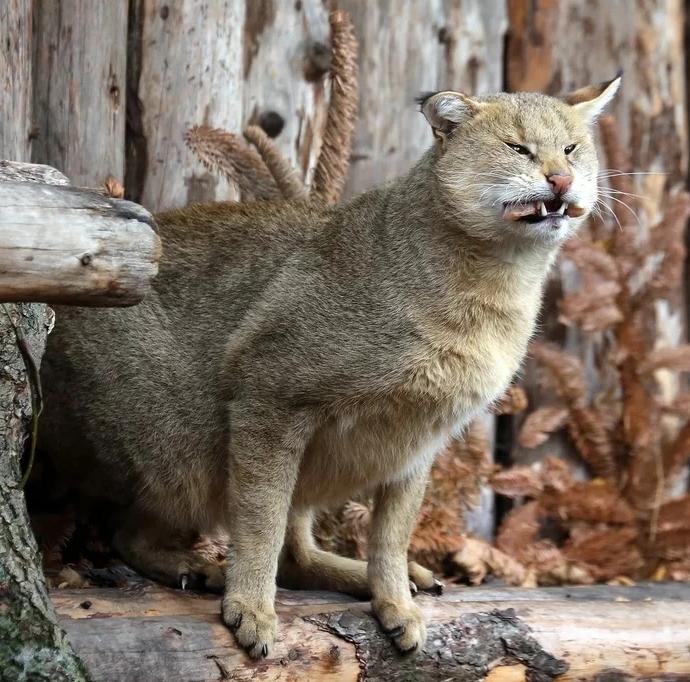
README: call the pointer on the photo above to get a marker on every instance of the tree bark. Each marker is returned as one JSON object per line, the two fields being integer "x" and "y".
{"x": 499, "y": 634}
{"x": 286, "y": 54}
{"x": 73, "y": 246}
{"x": 15, "y": 70}
{"x": 79, "y": 71}
{"x": 32, "y": 645}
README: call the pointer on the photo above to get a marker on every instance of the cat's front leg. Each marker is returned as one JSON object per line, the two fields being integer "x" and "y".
{"x": 395, "y": 513}
{"x": 266, "y": 447}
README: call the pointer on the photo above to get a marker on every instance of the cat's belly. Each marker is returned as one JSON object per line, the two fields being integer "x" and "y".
{"x": 353, "y": 454}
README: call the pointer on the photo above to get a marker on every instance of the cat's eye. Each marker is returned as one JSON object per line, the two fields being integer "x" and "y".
{"x": 519, "y": 149}
{"x": 570, "y": 149}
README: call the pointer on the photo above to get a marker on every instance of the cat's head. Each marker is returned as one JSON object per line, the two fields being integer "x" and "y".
{"x": 518, "y": 166}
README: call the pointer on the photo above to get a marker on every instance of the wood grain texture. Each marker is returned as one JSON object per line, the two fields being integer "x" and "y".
{"x": 15, "y": 72}
{"x": 286, "y": 55}
{"x": 187, "y": 70}
{"x": 66, "y": 245}
{"x": 151, "y": 633}
{"x": 80, "y": 52}
{"x": 409, "y": 48}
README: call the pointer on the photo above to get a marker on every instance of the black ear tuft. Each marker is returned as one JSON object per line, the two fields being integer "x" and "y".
{"x": 423, "y": 97}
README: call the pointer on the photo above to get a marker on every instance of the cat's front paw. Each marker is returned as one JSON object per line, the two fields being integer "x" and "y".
{"x": 403, "y": 622}
{"x": 253, "y": 622}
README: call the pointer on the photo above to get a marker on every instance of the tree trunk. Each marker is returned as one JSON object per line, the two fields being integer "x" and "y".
{"x": 499, "y": 634}
{"x": 645, "y": 40}
{"x": 15, "y": 71}
{"x": 80, "y": 55}
{"x": 32, "y": 645}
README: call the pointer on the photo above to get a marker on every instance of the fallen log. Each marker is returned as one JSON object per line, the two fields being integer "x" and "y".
{"x": 146, "y": 632}
{"x": 61, "y": 244}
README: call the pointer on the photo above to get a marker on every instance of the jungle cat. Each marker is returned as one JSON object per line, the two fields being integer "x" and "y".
{"x": 293, "y": 355}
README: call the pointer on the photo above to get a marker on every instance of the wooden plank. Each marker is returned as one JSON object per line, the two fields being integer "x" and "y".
{"x": 66, "y": 245}
{"x": 186, "y": 69}
{"x": 79, "y": 73}
{"x": 153, "y": 633}
{"x": 15, "y": 67}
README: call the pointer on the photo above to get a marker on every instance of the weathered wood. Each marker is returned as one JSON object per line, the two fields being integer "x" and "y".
{"x": 286, "y": 55}
{"x": 69, "y": 245}
{"x": 32, "y": 645}
{"x": 79, "y": 72}
{"x": 413, "y": 47}
{"x": 186, "y": 69}
{"x": 151, "y": 633}
{"x": 15, "y": 70}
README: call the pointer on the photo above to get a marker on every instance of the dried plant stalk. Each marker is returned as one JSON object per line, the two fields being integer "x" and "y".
{"x": 334, "y": 159}
{"x": 285, "y": 176}
{"x": 513, "y": 401}
{"x": 232, "y": 157}
{"x": 540, "y": 424}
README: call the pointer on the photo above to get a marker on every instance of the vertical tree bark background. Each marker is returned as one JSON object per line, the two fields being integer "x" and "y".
{"x": 80, "y": 53}
{"x": 32, "y": 645}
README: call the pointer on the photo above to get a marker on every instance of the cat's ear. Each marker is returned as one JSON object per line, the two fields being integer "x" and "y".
{"x": 446, "y": 110}
{"x": 591, "y": 100}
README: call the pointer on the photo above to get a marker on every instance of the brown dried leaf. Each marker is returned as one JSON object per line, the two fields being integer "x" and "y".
{"x": 594, "y": 501}
{"x": 540, "y": 424}
{"x": 513, "y": 401}
{"x": 518, "y": 481}
{"x": 676, "y": 359}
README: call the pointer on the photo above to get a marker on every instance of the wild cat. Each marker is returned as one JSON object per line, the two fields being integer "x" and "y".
{"x": 294, "y": 355}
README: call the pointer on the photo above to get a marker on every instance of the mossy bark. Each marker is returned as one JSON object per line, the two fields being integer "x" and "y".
{"x": 32, "y": 645}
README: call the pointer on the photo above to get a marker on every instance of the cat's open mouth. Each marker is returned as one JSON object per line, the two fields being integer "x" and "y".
{"x": 538, "y": 211}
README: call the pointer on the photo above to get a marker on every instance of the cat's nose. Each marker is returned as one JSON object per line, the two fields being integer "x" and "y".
{"x": 560, "y": 182}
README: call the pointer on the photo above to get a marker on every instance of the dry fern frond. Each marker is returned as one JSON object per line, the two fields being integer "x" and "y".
{"x": 113, "y": 188}
{"x": 677, "y": 453}
{"x": 680, "y": 406}
{"x": 477, "y": 558}
{"x": 676, "y": 359}
{"x": 331, "y": 169}
{"x": 518, "y": 481}
{"x": 590, "y": 259}
{"x": 666, "y": 282}
{"x": 513, "y": 401}
{"x": 563, "y": 372}
{"x": 586, "y": 427}
{"x": 519, "y": 529}
{"x": 286, "y": 177}
{"x": 232, "y": 157}
{"x": 556, "y": 474}
{"x": 540, "y": 424}
{"x": 594, "y": 501}
{"x": 608, "y": 553}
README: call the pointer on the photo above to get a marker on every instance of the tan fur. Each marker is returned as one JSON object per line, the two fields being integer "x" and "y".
{"x": 294, "y": 355}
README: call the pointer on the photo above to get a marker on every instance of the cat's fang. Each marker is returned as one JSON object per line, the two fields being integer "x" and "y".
{"x": 542, "y": 209}
{"x": 563, "y": 208}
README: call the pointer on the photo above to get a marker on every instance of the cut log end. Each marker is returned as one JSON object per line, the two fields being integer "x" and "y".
{"x": 69, "y": 245}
